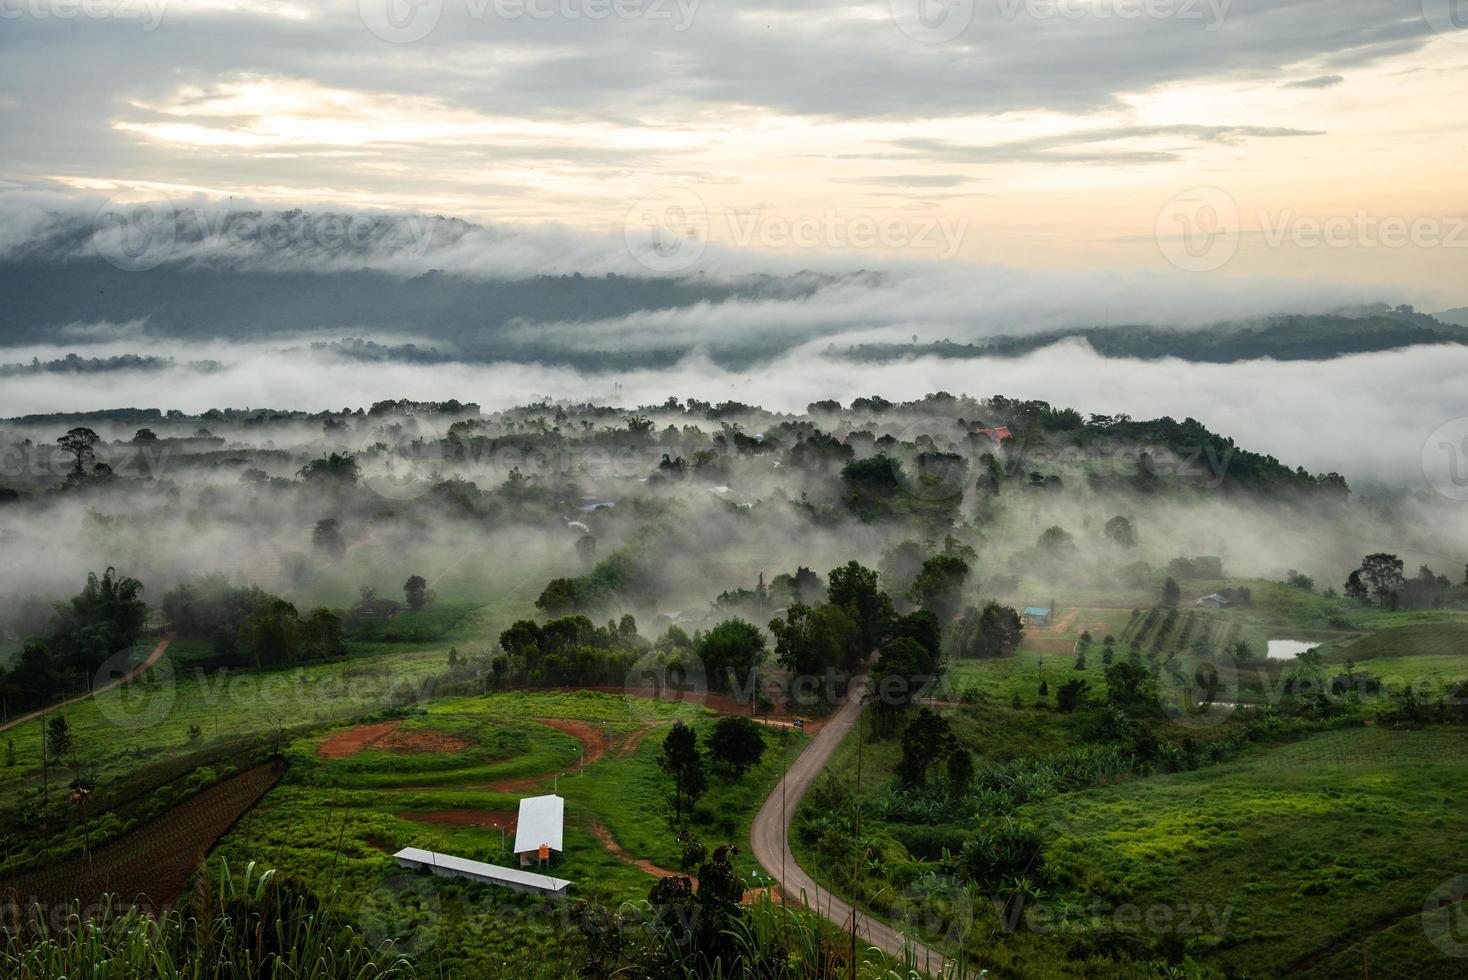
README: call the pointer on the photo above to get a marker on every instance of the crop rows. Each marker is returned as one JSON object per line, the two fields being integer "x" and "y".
{"x": 153, "y": 863}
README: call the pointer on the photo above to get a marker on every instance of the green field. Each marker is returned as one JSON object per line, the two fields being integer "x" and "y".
{"x": 336, "y": 822}
{"x": 1314, "y": 848}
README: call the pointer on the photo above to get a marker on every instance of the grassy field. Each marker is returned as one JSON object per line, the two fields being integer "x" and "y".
{"x": 1314, "y": 847}
{"x": 182, "y": 707}
{"x": 336, "y": 822}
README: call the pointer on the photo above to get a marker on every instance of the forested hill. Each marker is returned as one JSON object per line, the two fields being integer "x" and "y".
{"x": 1290, "y": 338}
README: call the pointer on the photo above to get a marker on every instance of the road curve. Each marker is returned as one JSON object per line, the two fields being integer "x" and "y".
{"x": 769, "y": 839}
{"x": 127, "y": 678}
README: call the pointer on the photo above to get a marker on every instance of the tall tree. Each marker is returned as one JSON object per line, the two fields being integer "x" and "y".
{"x": 854, "y": 588}
{"x": 682, "y": 760}
{"x": 415, "y": 590}
{"x": 809, "y": 641}
{"x": 730, "y": 653}
{"x": 78, "y": 443}
{"x": 938, "y": 588}
{"x": 1171, "y": 594}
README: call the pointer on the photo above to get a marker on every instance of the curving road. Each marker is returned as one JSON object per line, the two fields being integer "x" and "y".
{"x": 127, "y": 678}
{"x": 769, "y": 839}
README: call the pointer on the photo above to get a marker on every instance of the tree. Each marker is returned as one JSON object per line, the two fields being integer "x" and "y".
{"x": 331, "y": 470}
{"x": 1382, "y": 575}
{"x": 939, "y": 585}
{"x": 1056, "y": 542}
{"x": 960, "y": 770}
{"x": 144, "y": 435}
{"x": 923, "y": 627}
{"x": 927, "y": 740}
{"x": 78, "y": 443}
{"x": 1071, "y": 695}
{"x": 327, "y": 537}
{"x": 1121, "y": 532}
{"x": 995, "y": 632}
{"x": 904, "y": 670}
{"x": 1171, "y": 594}
{"x": 1130, "y": 688}
{"x": 854, "y": 588}
{"x": 736, "y": 744}
{"x": 416, "y": 592}
{"x": 730, "y": 653}
{"x": 810, "y": 641}
{"x": 1356, "y": 589}
{"x": 682, "y": 760}
{"x": 59, "y": 740}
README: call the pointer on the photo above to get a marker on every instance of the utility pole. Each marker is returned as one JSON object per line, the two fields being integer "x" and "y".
{"x": 856, "y": 835}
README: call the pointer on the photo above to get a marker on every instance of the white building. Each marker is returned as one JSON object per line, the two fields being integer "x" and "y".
{"x": 541, "y": 824}
{"x": 448, "y": 866}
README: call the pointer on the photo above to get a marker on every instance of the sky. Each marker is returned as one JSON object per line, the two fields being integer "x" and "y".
{"x": 1320, "y": 140}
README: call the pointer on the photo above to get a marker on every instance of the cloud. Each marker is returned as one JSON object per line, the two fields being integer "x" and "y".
{"x": 1320, "y": 81}
{"x": 1092, "y": 145}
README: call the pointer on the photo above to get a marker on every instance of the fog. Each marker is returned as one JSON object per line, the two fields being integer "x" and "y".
{"x": 1366, "y": 416}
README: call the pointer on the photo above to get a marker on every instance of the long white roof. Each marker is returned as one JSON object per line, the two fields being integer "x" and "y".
{"x": 478, "y": 869}
{"x": 542, "y": 821}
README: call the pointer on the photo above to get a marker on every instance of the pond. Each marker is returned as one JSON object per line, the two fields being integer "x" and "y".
{"x": 1289, "y": 649}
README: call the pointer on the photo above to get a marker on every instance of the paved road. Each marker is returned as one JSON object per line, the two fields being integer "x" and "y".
{"x": 127, "y": 678}
{"x": 769, "y": 839}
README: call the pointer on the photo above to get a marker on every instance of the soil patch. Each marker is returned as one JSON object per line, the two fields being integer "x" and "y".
{"x": 483, "y": 819}
{"x": 387, "y": 736}
{"x": 345, "y": 744}
{"x": 419, "y": 743}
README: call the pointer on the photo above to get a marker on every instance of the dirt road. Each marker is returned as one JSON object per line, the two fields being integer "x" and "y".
{"x": 769, "y": 839}
{"x": 127, "y": 678}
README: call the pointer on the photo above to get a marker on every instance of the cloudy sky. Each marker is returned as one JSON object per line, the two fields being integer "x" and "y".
{"x": 1317, "y": 139}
